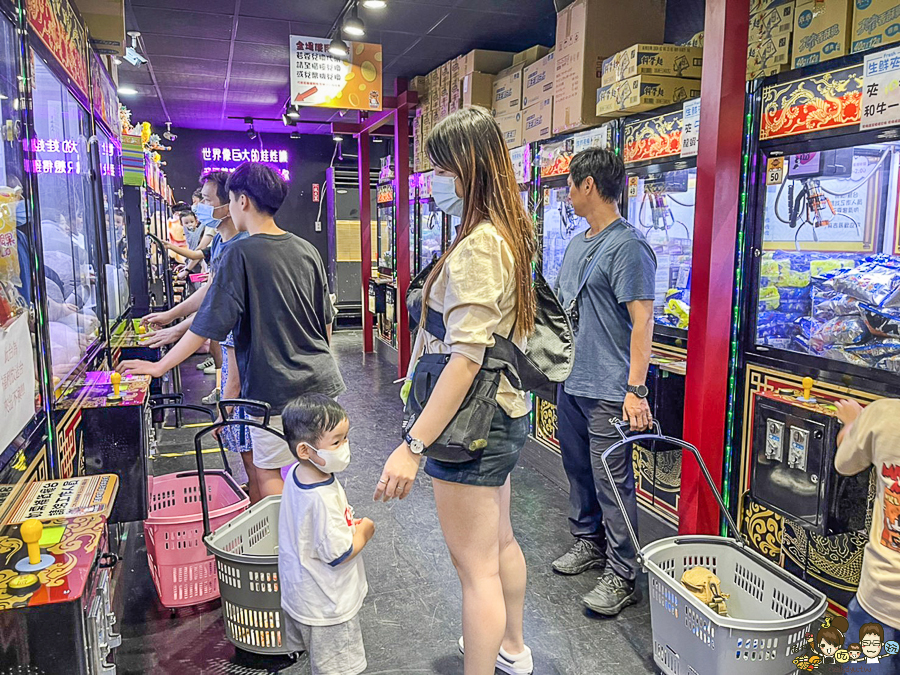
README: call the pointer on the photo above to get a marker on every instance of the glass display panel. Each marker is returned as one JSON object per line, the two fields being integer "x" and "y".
{"x": 829, "y": 275}
{"x": 117, "y": 292}
{"x": 560, "y": 225}
{"x": 386, "y": 239}
{"x": 662, "y": 209}
{"x": 432, "y": 233}
{"x": 68, "y": 228}
{"x": 16, "y": 253}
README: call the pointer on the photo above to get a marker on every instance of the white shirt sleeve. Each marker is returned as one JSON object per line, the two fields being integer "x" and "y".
{"x": 334, "y": 534}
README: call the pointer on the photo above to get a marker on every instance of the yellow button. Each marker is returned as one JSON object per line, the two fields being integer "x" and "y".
{"x": 23, "y": 584}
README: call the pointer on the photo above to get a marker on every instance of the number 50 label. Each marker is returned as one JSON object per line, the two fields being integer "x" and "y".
{"x": 775, "y": 171}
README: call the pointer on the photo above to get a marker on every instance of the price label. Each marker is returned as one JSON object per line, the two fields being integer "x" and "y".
{"x": 881, "y": 90}
{"x": 633, "y": 187}
{"x": 316, "y": 192}
{"x": 690, "y": 128}
{"x": 775, "y": 171}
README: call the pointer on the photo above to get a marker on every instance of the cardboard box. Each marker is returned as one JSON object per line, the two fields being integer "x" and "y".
{"x": 648, "y": 92}
{"x": 419, "y": 84}
{"x": 588, "y": 31}
{"x": 821, "y": 31}
{"x": 485, "y": 61}
{"x": 608, "y": 102}
{"x": 875, "y": 23}
{"x": 507, "y": 90}
{"x": 768, "y": 56}
{"x": 537, "y": 124}
{"x": 511, "y": 126}
{"x": 646, "y": 59}
{"x": 477, "y": 89}
{"x": 774, "y": 20}
{"x": 538, "y": 79}
{"x": 105, "y": 20}
{"x": 530, "y": 55}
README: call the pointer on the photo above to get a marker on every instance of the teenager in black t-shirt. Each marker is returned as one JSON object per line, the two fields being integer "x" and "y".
{"x": 272, "y": 292}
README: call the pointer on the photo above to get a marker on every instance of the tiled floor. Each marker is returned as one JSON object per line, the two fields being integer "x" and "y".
{"x": 411, "y": 619}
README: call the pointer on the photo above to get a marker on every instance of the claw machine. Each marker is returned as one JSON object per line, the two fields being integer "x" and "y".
{"x": 820, "y": 316}
{"x": 431, "y": 226}
{"x": 660, "y": 198}
{"x": 383, "y": 286}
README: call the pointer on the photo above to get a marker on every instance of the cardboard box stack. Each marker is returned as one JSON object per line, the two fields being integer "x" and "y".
{"x": 769, "y": 38}
{"x": 509, "y": 89}
{"x": 588, "y": 32}
{"x": 424, "y": 119}
{"x": 875, "y": 23}
{"x": 537, "y": 99}
{"x": 821, "y": 31}
{"x": 647, "y": 76}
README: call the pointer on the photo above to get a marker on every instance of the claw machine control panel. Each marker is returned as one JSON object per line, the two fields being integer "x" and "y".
{"x": 116, "y": 423}
{"x": 55, "y": 579}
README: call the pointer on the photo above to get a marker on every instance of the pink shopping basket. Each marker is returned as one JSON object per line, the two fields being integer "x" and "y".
{"x": 182, "y": 570}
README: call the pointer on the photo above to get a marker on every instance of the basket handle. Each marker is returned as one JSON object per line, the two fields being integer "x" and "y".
{"x": 201, "y": 473}
{"x": 659, "y": 436}
{"x": 253, "y": 406}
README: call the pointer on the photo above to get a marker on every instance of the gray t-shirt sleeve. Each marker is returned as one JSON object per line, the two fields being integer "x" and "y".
{"x": 633, "y": 271}
{"x": 223, "y": 304}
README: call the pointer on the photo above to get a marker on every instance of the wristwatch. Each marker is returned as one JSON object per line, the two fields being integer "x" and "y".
{"x": 639, "y": 390}
{"x": 416, "y": 446}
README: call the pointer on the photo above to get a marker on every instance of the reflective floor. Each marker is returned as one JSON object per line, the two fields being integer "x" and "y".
{"x": 411, "y": 618}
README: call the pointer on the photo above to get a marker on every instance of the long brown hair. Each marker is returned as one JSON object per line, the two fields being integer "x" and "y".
{"x": 469, "y": 144}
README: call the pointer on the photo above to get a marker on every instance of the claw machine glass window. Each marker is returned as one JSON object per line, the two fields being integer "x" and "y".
{"x": 113, "y": 212}
{"x": 661, "y": 207}
{"x": 17, "y": 315}
{"x": 387, "y": 264}
{"x": 68, "y": 231}
{"x": 829, "y": 271}
{"x": 431, "y": 224}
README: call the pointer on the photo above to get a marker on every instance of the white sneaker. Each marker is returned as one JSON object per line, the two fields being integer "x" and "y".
{"x": 206, "y": 364}
{"x": 211, "y": 370}
{"x": 520, "y": 664}
{"x": 214, "y": 397}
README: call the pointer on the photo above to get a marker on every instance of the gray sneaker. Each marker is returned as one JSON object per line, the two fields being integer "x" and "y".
{"x": 611, "y": 595}
{"x": 583, "y": 556}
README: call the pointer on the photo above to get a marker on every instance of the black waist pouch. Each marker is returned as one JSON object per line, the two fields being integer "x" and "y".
{"x": 466, "y": 436}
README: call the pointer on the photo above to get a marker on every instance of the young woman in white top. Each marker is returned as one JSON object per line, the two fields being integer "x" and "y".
{"x": 482, "y": 285}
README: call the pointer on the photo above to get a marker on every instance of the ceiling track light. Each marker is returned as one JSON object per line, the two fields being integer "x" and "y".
{"x": 251, "y": 132}
{"x": 353, "y": 25}
{"x": 338, "y": 47}
{"x": 374, "y": 4}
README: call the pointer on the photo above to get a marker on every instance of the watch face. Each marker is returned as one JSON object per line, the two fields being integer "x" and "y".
{"x": 640, "y": 390}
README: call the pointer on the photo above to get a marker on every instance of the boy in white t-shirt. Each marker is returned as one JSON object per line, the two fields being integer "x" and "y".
{"x": 871, "y": 437}
{"x": 323, "y": 582}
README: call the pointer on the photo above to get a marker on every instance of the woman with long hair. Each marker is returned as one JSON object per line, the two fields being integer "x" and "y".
{"x": 481, "y": 286}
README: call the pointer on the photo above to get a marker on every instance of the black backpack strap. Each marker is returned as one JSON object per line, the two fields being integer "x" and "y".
{"x": 434, "y": 324}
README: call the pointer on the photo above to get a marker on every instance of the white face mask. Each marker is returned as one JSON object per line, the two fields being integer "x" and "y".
{"x": 443, "y": 189}
{"x": 335, "y": 460}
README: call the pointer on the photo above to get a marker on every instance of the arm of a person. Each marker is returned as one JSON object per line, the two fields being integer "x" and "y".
{"x": 233, "y": 384}
{"x": 168, "y": 336}
{"x": 187, "y": 345}
{"x": 365, "y": 529}
{"x": 641, "y": 312}
{"x": 854, "y": 454}
{"x": 192, "y": 304}
{"x": 186, "y": 252}
{"x": 205, "y": 240}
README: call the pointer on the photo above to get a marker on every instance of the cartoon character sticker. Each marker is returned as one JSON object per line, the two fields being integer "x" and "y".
{"x": 827, "y": 646}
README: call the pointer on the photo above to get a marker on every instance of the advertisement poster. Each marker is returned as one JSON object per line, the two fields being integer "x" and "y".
{"x": 16, "y": 379}
{"x": 321, "y": 80}
{"x": 881, "y": 90}
{"x": 56, "y": 24}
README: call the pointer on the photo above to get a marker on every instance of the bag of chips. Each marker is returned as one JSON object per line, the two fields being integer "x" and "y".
{"x": 876, "y": 281}
{"x": 842, "y": 330}
{"x": 881, "y": 322}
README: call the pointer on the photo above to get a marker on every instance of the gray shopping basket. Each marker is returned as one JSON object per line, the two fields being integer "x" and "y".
{"x": 246, "y": 554}
{"x": 770, "y": 611}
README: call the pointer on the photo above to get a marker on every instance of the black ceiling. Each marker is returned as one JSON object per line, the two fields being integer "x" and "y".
{"x": 215, "y": 59}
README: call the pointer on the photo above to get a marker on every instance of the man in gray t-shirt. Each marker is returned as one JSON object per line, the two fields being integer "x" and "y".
{"x": 613, "y": 339}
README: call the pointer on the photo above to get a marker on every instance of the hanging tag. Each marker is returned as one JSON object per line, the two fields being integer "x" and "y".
{"x": 775, "y": 171}
{"x": 633, "y": 186}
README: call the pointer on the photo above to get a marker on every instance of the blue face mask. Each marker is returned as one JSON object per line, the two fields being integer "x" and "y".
{"x": 21, "y": 214}
{"x": 204, "y": 213}
{"x": 443, "y": 189}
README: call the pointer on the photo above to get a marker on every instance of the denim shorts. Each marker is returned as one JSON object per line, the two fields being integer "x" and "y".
{"x": 505, "y": 442}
